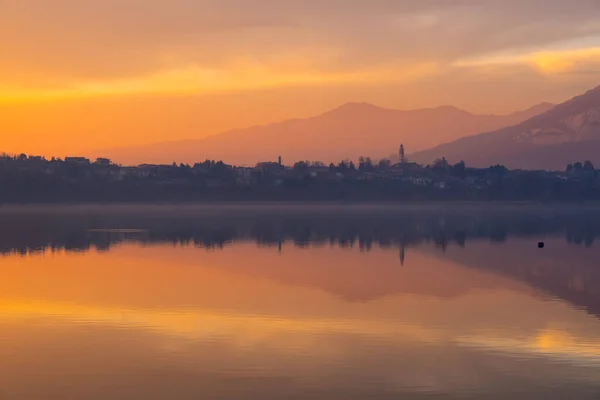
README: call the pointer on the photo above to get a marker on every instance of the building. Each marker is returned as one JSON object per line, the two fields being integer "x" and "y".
{"x": 269, "y": 167}
{"x": 103, "y": 161}
{"x": 320, "y": 172}
{"x": 77, "y": 160}
{"x": 132, "y": 172}
{"x": 402, "y": 156}
{"x": 247, "y": 176}
{"x": 419, "y": 181}
{"x": 405, "y": 168}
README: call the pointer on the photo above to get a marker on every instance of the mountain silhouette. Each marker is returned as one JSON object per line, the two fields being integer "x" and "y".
{"x": 349, "y": 131}
{"x": 564, "y": 134}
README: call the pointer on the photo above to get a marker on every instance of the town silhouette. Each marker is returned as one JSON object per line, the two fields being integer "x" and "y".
{"x": 34, "y": 179}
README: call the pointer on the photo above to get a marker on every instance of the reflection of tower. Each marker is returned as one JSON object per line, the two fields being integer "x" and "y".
{"x": 402, "y": 256}
{"x": 279, "y": 246}
{"x": 402, "y": 158}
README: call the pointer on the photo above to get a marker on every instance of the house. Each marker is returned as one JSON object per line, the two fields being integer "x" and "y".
{"x": 106, "y": 172}
{"x": 270, "y": 167}
{"x": 132, "y": 172}
{"x": 418, "y": 181}
{"x": 77, "y": 161}
{"x": 103, "y": 161}
{"x": 156, "y": 170}
{"x": 247, "y": 176}
{"x": 319, "y": 172}
{"x": 405, "y": 168}
{"x": 246, "y": 172}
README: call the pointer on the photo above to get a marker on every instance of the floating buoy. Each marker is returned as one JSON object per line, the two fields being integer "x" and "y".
{"x": 540, "y": 245}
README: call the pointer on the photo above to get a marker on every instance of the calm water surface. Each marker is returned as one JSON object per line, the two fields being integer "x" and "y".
{"x": 269, "y": 303}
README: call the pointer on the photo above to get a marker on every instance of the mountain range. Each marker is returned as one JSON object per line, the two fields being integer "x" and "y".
{"x": 566, "y": 133}
{"x": 545, "y": 136}
{"x": 347, "y": 132}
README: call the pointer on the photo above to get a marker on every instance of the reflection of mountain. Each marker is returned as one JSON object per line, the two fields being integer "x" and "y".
{"x": 564, "y": 269}
{"x": 362, "y": 276}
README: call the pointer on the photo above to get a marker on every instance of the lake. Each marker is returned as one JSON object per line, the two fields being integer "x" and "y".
{"x": 300, "y": 302}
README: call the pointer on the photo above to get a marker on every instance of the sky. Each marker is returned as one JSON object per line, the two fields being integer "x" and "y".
{"x": 81, "y": 75}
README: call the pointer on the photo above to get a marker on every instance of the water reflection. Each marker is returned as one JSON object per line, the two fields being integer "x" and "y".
{"x": 561, "y": 269}
{"x": 314, "y": 304}
{"x": 24, "y": 230}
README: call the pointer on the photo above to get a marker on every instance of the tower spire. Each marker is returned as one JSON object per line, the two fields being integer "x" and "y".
{"x": 402, "y": 157}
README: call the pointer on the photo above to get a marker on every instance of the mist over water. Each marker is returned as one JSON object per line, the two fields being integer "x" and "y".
{"x": 300, "y": 301}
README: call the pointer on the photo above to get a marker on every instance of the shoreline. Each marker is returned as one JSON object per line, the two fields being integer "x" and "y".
{"x": 262, "y": 205}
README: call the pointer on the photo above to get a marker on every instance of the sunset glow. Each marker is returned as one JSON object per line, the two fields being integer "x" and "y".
{"x": 195, "y": 80}
{"x": 82, "y": 73}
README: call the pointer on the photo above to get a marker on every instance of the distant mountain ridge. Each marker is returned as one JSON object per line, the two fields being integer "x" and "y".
{"x": 564, "y": 134}
{"x": 349, "y": 131}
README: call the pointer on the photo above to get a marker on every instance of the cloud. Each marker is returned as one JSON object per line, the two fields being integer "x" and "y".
{"x": 565, "y": 61}
{"x": 546, "y": 62}
{"x": 245, "y": 76}
{"x": 64, "y": 47}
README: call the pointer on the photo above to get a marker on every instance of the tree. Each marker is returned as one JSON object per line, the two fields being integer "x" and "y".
{"x": 301, "y": 166}
{"x": 441, "y": 164}
{"x": 498, "y": 169}
{"x": 459, "y": 169}
{"x": 569, "y": 168}
{"x": 365, "y": 164}
{"x": 384, "y": 164}
{"x": 588, "y": 166}
{"x": 578, "y": 167}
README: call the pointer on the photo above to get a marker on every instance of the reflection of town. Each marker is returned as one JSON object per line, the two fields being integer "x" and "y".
{"x": 502, "y": 244}
{"x": 361, "y": 232}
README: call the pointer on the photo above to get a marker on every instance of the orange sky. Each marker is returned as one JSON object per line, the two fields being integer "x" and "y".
{"x": 82, "y": 75}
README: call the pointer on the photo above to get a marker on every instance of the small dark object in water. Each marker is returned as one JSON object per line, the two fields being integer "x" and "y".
{"x": 540, "y": 245}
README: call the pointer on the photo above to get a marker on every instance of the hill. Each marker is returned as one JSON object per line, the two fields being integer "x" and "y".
{"x": 566, "y": 133}
{"x": 350, "y": 131}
